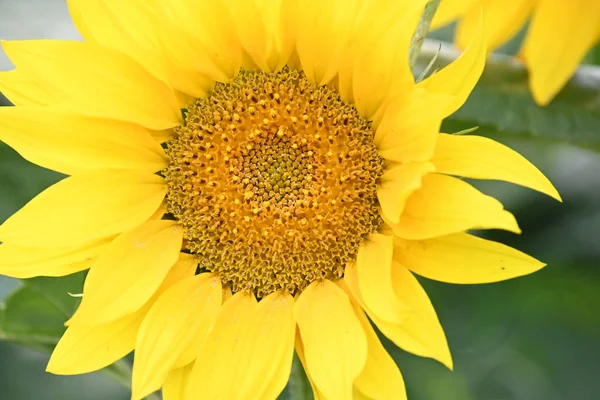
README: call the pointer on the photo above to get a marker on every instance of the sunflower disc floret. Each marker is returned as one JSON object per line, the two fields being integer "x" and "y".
{"x": 274, "y": 181}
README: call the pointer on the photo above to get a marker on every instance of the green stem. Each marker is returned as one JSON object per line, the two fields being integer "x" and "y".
{"x": 120, "y": 372}
{"x": 422, "y": 30}
{"x": 298, "y": 387}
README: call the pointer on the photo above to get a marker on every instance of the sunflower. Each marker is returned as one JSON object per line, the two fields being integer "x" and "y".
{"x": 559, "y": 35}
{"x": 246, "y": 178}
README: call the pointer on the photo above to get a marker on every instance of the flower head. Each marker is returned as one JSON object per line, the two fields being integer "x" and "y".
{"x": 559, "y": 35}
{"x": 249, "y": 177}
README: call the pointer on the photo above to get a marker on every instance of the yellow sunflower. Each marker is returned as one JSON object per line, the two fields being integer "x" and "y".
{"x": 246, "y": 177}
{"x": 559, "y": 35}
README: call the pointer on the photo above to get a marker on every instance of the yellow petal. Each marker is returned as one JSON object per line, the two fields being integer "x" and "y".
{"x": 26, "y": 262}
{"x": 447, "y": 205}
{"x": 22, "y": 90}
{"x": 410, "y": 126}
{"x": 380, "y": 68}
{"x": 85, "y": 208}
{"x": 211, "y": 24}
{"x": 95, "y": 81}
{"x": 280, "y": 20}
{"x": 324, "y": 29}
{"x": 459, "y": 78}
{"x": 72, "y": 144}
{"x": 421, "y": 333}
{"x": 449, "y": 10}
{"x": 335, "y": 345}
{"x": 126, "y": 26}
{"x": 190, "y": 67}
{"x": 128, "y": 273}
{"x": 503, "y": 20}
{"x": 84, "y": 349}
{"x": 176, "y": 324}
{"x": 299, "y": 346}
{"x": 251, "y": 30}
{"x": 482, "y": 158}
{"x": 381, "y": 378}
{"x": 559, "y": 36}
{"x": 175, "y": 387}
{"x": 248, "y": 354}
{"x": 374, "y": 267}
{"x": 464, "y": 258}
{"x": 397, "y": 183}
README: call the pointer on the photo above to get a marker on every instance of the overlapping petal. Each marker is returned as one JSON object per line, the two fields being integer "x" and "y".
{"x": 459, "y": 78}
{"x": 248, "y": 353}
{"x": 87, "y": 348}
{"x": 81, "y": 77}
{"x": 397, "y": 184}
{"x": 421, "y": 332}
{"x": 374, "y": 269}
{"x": 27, "y": 262}
{"x": 482, "y": 158}
{"x": 129, "y": 272}
{"x": 464, "y": 258}
{"x": 71, "y": 143}
{"x": 174, "y": 327}
{"x": 85, "y": 208}
{"x": 334, "y": 341}
{"x": 447, "y": 205}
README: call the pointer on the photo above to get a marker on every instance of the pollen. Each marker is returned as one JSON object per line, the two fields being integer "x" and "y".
{"x": 273, "y": 180}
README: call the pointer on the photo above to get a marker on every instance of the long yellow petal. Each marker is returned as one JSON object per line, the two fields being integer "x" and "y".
{"x": 26, "y": 262}
{"x": 459, "y": 78}
{"x": 503, "y": 20}
{"x": 22, "y": 90}
{"x": 335, "y": 344}
{"x": 410, "y": 126}
{"x": 380, "y": 68}
{"x": 72, "y": 144}
{"x": 421, "y": 333}
{"x": 180, "y": 318}
{"x": 447, "y": 205}
{"x": 249, "y": 348}
{"x": 211, "y": 24}
{"x": 397, "y": 183}
{"x": 374, "y": 267}
{"x": 128, "y": 273}
{"x": 140, "y": 29}
{"x": 464, "y": 258}
{"x": 176, "y": 384}
{"x": 85, "y": 208}
{"x": 559, "y": 36}
{"x": 126, "y": 26}
{"x": 96, "y": 81}
{"x": 299, "y": 346}
{"x": 84, "y": 349}
{"x": 251, "y": 30}
{"x": 324, "y": 29}
{"x": 381, "y": 378}
{"x": 482, "y": 158}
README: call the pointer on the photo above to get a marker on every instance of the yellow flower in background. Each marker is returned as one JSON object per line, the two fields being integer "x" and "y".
{"x": 559, "y": 35}
{"x": 248, "y": 177}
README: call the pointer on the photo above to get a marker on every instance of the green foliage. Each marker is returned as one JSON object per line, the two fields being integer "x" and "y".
{"x": 501, "y": 104}
{"x": 35, "y": 313}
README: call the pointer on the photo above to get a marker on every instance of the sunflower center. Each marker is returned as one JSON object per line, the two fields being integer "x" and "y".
{"x": 274, "y": 182}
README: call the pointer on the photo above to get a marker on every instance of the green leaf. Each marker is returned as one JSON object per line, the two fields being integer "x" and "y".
{"x": 501, "y": 104}
{"x": 35, "y": 313}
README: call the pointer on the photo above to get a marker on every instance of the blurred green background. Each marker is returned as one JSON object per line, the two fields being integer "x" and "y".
{"x": 534, "y": 338}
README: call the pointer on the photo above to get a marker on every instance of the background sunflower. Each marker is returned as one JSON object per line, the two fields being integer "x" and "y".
{"x": 532, "y": 338}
